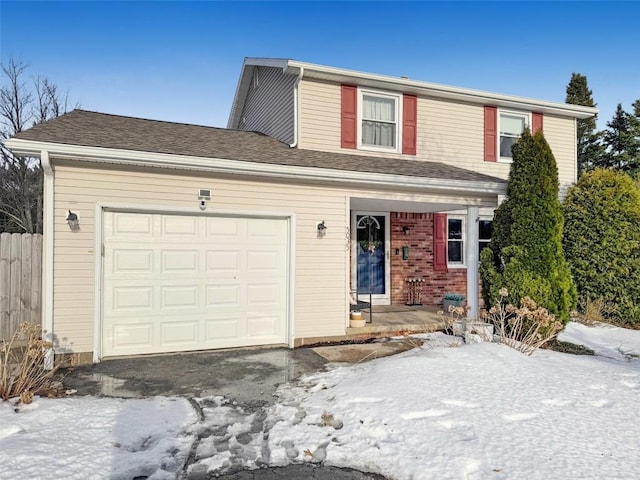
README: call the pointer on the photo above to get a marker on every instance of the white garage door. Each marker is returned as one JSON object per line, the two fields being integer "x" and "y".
{"x": 178, "y": 283}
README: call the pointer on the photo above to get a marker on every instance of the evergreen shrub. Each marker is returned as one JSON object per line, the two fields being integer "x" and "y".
{"x": 525, "y": 253}
{"x": 602, "y": 241}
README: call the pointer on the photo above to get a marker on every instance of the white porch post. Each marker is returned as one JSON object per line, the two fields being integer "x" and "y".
{"x": 472, "y": 261}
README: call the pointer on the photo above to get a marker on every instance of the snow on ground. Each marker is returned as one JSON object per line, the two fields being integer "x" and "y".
{"x": 445, "y": 411}
{"x": 481, "y": 411}
{"x": 603, "y": 339}
{"x": 89, "y": 437}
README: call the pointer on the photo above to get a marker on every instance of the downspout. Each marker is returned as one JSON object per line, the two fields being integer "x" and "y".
{"x": 295, "y": 109}
{"x": 47, "y": 256}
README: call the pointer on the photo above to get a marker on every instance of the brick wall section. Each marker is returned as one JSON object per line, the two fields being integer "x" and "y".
{"x": 420, "y": 262}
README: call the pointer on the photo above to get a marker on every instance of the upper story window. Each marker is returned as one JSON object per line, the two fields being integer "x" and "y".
{"x": 511, "y": 126}
{"x": 503, "y": 127}
{"x": 378, "y": 123}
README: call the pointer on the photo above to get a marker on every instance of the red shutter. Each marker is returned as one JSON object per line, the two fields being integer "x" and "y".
{"x": 536, "y": 122}
{"x": 490, "y": 133}
{"x": 439, "y": 242}
{"x": 409, "y": 122}
{"x": 349, "y": 116}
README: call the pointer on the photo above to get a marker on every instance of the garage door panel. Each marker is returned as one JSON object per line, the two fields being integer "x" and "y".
{"x": 128, "y": 261}
{"x": 139, "y": 336}
{"x": 136, "y": 299}
{"x": 179, "y": 283}
{"x": 260, "y": 229}
{"x": 223, "y": 261}
{"x": 262, "y": 326}
{"x": 222, "y": 328}
{"x": 132, "y": 225}
{"x": 180, "y": 261}
{"x": 179, "y": 297}
{"x": 223, "y": 296}
{"x": 264, "y": 294}
{"x": 263, "y": 261}
{"x": 179, "y": 333}
{"x": 179, "y": 226}
{"x": 222, "y": 229}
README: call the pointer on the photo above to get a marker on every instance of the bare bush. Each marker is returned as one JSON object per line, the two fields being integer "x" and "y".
{"x": 23, "y": 365}
{"x": 453, "y": 315}
{"x": 595, "y": 311}
{"x": 526, "y": 328}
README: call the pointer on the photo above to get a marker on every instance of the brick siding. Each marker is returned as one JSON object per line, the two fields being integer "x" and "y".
{"x": 420, "y": 263}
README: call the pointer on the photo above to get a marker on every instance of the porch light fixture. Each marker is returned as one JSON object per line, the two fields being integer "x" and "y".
{"x": 322, "y": 228}
{"x": 72, "y": 221}
{"x": 406, "y": 229}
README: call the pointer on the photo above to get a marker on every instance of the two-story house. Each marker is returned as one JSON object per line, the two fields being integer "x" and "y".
{"x": 164, "y": 237}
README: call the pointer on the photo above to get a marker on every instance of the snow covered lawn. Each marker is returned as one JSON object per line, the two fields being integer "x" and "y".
{"x": 89, "y": 437}
{"x": 446, "y": 411}
{"x": 481, "y": 411}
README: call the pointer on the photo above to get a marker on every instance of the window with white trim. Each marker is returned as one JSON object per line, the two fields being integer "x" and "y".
{"x": 455, "y": 241}
{"x": 457, "y": 236}
{"x": 378, "y": 121}
{"x": 510, "y": 125}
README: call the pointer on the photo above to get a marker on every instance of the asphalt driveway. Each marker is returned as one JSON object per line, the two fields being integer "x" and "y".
{"x": 248, "y": 377}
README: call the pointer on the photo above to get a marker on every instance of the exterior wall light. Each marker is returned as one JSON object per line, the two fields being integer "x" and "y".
{"x": 72, "y": 221}
{"x": 406, "y": 229}
{"x": 322, "y": 228}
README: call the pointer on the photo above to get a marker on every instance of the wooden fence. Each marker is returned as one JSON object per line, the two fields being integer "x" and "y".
{"x": 20, "y": 281}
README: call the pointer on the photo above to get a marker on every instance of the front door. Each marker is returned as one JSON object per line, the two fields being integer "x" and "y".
{"x": 370, "y": 255}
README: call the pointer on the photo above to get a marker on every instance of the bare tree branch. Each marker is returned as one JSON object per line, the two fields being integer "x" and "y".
{"x": 23, "y": 104}
{"x": 15, "y": 99}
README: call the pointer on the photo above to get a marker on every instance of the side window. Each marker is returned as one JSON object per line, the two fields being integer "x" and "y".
{"x": 485, "y": 229}
{"x": 455, "y": 241}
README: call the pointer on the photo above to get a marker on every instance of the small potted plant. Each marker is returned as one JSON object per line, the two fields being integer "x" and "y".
{"x": 452, "y": 299}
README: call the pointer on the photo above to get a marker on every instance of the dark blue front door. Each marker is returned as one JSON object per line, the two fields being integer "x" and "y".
{"x": 370, "y": 235}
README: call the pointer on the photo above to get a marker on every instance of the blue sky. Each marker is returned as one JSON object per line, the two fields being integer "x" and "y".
{"x": 180, "y": 61}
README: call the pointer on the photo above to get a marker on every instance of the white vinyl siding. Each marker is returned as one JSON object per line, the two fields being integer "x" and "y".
{"x": 319, "y": 120}
{"x": 320, "y": 299}
{"x": 450, "y": 132}
{"x": 268, "y": 107}
{"x": 561, "y": 135}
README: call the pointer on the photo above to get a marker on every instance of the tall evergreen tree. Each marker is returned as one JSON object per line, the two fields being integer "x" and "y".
{"x": 590, "y": 149}
{"x": 635, "y": 128}
{"x": 622, "y": 141}
{"x": 525, "y": 253}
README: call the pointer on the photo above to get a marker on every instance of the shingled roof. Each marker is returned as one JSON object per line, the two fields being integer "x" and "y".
{"x": 93, "y": 129}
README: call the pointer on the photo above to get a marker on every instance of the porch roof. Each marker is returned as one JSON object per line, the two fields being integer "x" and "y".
{"x": 94, "y": 130}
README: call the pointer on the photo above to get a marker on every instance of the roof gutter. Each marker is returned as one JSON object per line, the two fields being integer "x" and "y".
{"x": 295, "y": 109}
{"x": 256, "y": 169}
{"x": 48, "y": 221}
